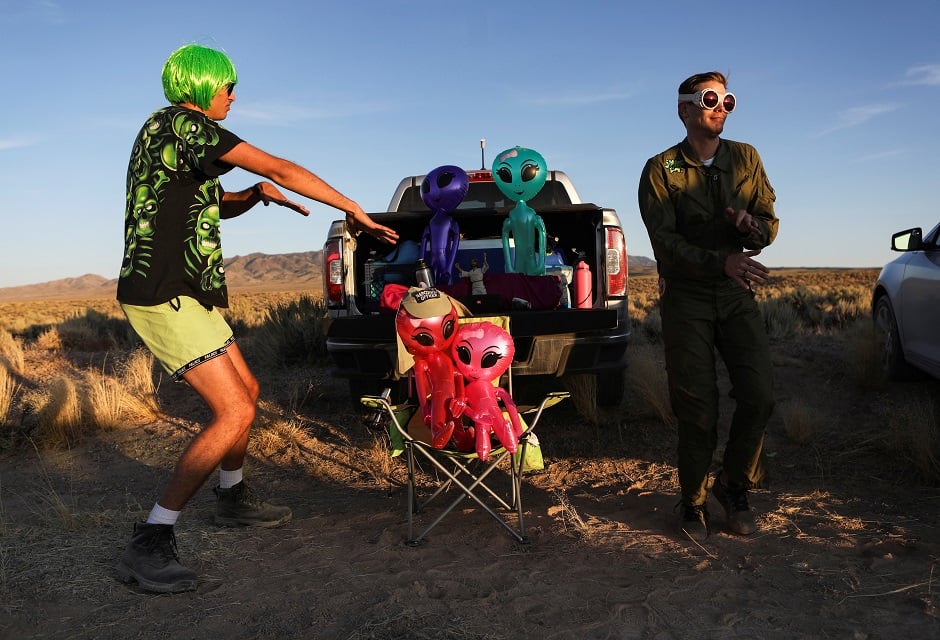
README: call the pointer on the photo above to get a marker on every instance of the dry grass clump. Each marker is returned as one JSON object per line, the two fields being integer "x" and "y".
{"x": 292, "y": 333}
{"x": 110, "y": 403}
{"x": 104, "y": 401}
{"x": 140, "y": 399}
{"x": 780, "y": 318}
{"x": 58, "y": 414}
{"x": 645, "y": 318}
{"x": 801, "y": 423}
{"x": 250, "y": 310}
{"x": 571, "y": 519}
{"x": 8, "y": 388}
{"x": 95, "y": 331}
{"x": 583, "y": 390}
{"x": 913, "y": 433}
{"x": 49, "y": 340}
{"x": 60, "y": 417}
{"x": 127, "y": 400}
{"x": 863, "y": 357}
{"x": 646, "y": 377}
{"x": 275, "y": 436}
{"x": 11, "y": 352}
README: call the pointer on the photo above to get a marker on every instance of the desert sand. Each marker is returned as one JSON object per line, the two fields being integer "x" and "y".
{"x": 848, "y": 545}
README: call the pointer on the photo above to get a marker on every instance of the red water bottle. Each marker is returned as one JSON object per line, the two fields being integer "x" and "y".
{"x": 582, "y": 286}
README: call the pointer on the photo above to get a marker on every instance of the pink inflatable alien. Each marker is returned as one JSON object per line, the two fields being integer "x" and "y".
{"x": 482, "y": 352}
{"x": 426, "y": 323}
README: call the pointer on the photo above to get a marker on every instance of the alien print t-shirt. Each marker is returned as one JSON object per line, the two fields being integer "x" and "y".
{"x": 172, "y": 243}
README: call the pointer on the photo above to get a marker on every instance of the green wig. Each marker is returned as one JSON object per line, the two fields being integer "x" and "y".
{"x": 194, "y": 74}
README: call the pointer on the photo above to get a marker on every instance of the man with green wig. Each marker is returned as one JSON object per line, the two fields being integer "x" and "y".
{"x": 172, "y": 284}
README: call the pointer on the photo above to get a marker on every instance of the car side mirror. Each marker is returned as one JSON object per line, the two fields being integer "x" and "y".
{"x": 910, "y": 240}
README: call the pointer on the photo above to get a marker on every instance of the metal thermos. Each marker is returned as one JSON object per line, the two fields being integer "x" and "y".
{"x": 423, "y": 274}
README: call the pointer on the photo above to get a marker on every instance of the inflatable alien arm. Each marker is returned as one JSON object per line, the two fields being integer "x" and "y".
{"x": 507, "y": 258}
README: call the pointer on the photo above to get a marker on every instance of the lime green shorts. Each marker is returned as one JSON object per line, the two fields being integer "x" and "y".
{"x": 181, "y": 333}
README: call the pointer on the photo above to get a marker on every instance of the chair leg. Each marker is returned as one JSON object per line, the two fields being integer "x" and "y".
{"x": 412, "y": 498}
{"x": 467, "y": 492}
{"x": 515, "y": 468}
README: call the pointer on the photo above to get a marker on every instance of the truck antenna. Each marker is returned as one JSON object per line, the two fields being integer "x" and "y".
{"x": 482, "y": 158}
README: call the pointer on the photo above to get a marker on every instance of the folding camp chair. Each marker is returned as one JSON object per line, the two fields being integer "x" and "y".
{"x": 463, "y": 471}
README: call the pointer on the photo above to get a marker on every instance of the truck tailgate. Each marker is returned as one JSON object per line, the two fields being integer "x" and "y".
{"x": 381, "y": 328}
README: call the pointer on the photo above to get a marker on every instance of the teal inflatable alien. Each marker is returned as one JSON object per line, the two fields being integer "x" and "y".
{"x": 520, "y": 174}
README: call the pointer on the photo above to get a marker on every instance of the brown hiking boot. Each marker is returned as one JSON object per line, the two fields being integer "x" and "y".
{"x": 238, "y": 506}
{"x": 693, "y": 521}
{"x": 740, "y": 518}
{"x": 151, "y": 559}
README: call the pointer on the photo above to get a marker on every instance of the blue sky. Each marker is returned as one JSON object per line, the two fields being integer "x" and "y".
{"x": 840, "y": 99}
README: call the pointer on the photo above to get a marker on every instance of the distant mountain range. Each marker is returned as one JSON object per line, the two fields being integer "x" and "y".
{"x": 255, "y": 271}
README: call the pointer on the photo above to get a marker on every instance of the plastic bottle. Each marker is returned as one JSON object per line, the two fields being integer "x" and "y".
{"x": 583, "y": 294}
{"x": 423, "y": 274}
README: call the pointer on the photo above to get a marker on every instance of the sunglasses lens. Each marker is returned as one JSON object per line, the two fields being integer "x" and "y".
{"x": 231, "y": 88}
{"x": 729, "y": 102}
{"x": 709, "y": 99}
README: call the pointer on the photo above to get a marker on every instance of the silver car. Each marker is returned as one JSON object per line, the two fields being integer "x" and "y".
{"x": 906, "y": 306}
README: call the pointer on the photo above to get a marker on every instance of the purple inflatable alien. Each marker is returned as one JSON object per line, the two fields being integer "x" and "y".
{"x": 443, "y": 189}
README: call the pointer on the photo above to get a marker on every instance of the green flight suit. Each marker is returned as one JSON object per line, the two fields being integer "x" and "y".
{"x": 683, "y": 205}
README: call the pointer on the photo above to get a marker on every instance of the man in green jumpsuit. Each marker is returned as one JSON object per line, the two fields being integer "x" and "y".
{"x": 709, "y": 209}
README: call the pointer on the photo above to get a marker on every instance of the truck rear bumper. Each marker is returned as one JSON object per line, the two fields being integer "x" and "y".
{"x": 547, "y": 343}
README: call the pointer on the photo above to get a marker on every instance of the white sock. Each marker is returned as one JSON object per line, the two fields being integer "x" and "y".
{"x": 228, "y": 479}
{"x": 160, "y": 515}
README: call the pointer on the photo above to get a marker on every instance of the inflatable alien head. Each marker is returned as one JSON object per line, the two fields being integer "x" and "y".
{"x": 520, "y": 173}
{"x": 426, "y": 321}
{"x": 482, "y": 351}
{"x": 444, "y": 188}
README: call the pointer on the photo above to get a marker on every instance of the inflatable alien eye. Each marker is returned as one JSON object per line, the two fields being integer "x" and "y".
{"x": 449, "y": 327}
{"x": 504, "y": 174}
{"x": 425, "y": 187}
{"x": 463, "y": 354}
{"x": 490, "y": 360}
{"x": 444, "y": 179}
{"x": 424, "y": 339}
{"x": 530, "y": 172}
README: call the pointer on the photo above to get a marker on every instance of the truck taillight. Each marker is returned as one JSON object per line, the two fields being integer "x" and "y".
{"x": 333, "y": 273}
{"x": 616, "y": 258}
{"x": 480, "y": 176}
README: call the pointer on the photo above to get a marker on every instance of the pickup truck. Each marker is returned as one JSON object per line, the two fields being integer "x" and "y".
{"x": 549, "y": 342}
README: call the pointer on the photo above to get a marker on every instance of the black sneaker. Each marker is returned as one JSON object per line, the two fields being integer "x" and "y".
{"x": 238, "y": 506}
{"x": 694, "y": 521}
{"x": 152, "y": 561}
{"x": 740, "y": 518}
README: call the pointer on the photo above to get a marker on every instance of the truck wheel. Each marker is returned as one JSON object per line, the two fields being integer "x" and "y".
{"x": 610, "y": 388}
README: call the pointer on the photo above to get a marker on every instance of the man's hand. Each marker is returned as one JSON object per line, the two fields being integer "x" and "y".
{"x": 267, "y": 192}
{"x": 359, "y": 220}
{"x": 741, "y": 268}
{"x": 742, "y": 221}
